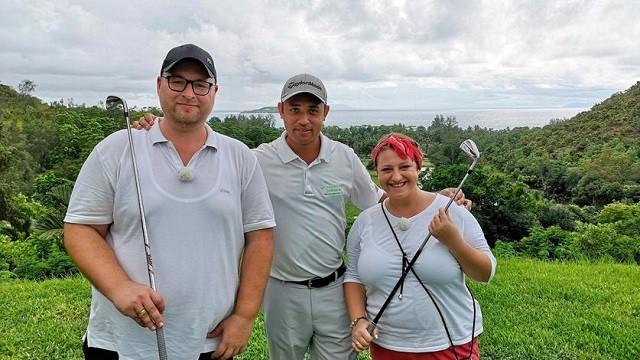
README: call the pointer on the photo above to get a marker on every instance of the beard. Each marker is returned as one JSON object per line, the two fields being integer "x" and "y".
{"x": 187, "y": 117}
{"x": 184, "y": 115}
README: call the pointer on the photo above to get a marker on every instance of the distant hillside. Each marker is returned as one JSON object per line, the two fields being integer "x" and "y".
{"x": 618, "y": 117}
{"x": 592, "y": 158}
{"x": 615, "y": 119}
{"x": 264, "y": 109}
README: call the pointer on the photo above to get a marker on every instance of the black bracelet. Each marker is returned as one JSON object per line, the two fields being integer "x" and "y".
{"x": 355, "y": 321}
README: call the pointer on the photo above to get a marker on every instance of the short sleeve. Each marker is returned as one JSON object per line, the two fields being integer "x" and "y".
{"x": 91, "y": 201}
{"x": 257, "y": 212}
{"x": 353, "y": 253}
{"x": 472, "y": 233}
{"x": 365, "y": 193}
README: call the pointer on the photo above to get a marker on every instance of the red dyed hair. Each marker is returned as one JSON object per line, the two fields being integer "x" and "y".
{"x": 403, "y": 145}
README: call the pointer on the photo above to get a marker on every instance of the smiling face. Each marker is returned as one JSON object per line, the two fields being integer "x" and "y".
{"x": 303, "y": 115}
{"x": 398, "y": 177}
{"x": 184, "y": 107}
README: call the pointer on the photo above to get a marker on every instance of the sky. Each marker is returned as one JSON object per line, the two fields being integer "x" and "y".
{"x": 376, "y": 54}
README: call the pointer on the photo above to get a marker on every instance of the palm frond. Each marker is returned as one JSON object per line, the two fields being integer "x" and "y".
{"x": 50, "y": 221}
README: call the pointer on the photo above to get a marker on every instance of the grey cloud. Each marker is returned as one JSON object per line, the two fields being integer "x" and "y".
{"x": 371, "y": 53}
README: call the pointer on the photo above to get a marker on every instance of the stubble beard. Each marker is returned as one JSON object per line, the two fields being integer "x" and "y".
{"x": 187, "y": 120}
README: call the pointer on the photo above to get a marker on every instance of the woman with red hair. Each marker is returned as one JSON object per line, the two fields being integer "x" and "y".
{"x": 434, "y": 315}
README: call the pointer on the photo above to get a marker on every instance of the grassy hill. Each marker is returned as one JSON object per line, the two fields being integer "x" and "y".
{"x": 532, "y": 310}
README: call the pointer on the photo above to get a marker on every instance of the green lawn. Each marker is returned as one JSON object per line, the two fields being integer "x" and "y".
{"x": 532, "y": 310}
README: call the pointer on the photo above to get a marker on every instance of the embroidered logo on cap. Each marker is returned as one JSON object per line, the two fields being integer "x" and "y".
{"x": 299, "y": 83}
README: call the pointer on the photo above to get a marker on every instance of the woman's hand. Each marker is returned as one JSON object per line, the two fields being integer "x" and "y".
{"x": 360, "y": 337}
{"x": 444, "y": 229}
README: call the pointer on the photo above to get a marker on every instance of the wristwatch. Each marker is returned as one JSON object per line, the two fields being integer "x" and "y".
{"x": 355, "y": 321}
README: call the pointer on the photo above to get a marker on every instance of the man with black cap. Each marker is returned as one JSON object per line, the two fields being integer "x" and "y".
{"x": 210, "y": 228}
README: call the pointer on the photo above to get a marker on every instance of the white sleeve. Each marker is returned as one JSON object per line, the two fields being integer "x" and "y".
{"x": 472, "y": 233}
{"x": 91, "y": 201}
{"x": 353, "y": 253}
{"x": 257, "y": 212}
{"x": 364, "y": 193}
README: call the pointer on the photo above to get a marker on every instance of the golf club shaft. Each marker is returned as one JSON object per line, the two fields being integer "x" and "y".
{"x": 162, "y": 350}
{"x": 374, "y": 323}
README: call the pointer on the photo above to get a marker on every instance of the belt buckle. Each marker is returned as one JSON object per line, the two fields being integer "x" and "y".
{"x": 310, "y": 283}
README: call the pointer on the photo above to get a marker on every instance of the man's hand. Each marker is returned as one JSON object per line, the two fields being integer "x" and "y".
{"x": 144, "y": 122}
{"x": 460, "y": 199}
{"x": 235, "y": 331}
{"x": 140, "y": 303}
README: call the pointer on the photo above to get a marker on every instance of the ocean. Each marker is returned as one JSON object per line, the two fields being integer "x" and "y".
{"x": 486, "y": 118}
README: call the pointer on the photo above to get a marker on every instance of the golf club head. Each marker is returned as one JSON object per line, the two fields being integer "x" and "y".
{"x": 112, "y": 99}
{"x": 470, "y": 148}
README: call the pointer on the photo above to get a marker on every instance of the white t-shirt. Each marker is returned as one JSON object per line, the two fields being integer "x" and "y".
{"x": 309, "y": 205}
{"x": 196, "y": 232}
{"x": 412, "y": 324}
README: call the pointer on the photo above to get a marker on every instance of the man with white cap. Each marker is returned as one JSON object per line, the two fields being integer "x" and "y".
{"x": 310, "y": 179}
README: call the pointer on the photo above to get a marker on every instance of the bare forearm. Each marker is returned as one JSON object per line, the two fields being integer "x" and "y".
{"x": 474, "y": 262}
{"x": 254, "y": 272}
{"x": 355, "y": 297}
{"x": 94, "y": 257}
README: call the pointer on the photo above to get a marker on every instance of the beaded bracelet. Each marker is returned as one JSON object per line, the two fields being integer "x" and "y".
{"x": 355, "y": 321}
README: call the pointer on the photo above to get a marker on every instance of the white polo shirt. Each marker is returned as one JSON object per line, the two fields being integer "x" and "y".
{"x": 412, "y": 324}
{"x": 196, "y": 232}
{"x": 309, "y": 205}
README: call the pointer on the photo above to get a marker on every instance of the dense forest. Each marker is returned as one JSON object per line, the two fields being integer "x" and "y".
{"x": 569, "y": 190}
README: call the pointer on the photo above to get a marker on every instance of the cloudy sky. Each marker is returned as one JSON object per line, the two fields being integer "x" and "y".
{"x": 386, "y": 54}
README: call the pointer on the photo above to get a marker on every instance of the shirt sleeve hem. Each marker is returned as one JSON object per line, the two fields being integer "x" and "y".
{"x": 493, "y": 268}
{"x": 87, "y": 220}
{"x": 259, "y": 226}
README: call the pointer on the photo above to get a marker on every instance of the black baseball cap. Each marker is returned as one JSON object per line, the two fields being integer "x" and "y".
{"x": 189, "y": 51}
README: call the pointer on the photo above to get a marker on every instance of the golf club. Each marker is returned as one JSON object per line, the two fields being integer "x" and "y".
{"x": 162, "y": 350}
{"x": 469, "y": 148}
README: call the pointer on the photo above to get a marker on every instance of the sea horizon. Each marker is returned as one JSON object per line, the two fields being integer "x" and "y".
{"x": 490, "y": 118}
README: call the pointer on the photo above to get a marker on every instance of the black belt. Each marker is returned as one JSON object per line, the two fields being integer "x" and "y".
{"x": 321, "y": 282}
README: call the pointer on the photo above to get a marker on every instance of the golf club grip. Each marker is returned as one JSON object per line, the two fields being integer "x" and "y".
{"x": 162, "y": 348}
{"x": 372, "y": 326}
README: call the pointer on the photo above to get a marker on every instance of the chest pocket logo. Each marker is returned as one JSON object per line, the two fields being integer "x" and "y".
{"x": 331, "y": 191}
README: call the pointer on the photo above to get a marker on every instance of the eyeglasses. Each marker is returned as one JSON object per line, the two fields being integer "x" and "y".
{"x": 178, "y": 83}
